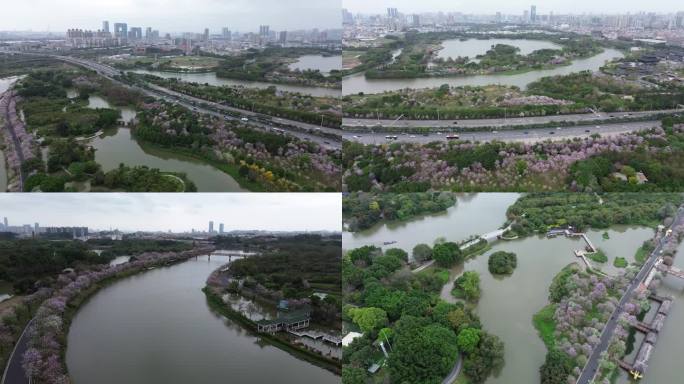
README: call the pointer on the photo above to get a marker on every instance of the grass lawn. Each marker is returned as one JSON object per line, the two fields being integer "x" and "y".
{"x": 545, "y": 324}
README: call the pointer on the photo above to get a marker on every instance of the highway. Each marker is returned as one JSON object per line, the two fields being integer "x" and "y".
{"x": 512, "y": 135}
{"x": 500, "y": 122}
{"x": 297, "y": 129}
{"x": 592, "y": 365}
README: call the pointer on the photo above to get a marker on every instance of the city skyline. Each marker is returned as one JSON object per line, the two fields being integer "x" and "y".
{"x": 173, "y": 16}
{"x": 178, "y": 213}
{"x": 511, "y": 7}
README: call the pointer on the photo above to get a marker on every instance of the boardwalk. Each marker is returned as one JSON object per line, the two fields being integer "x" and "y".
{"x": 592, "y": 365}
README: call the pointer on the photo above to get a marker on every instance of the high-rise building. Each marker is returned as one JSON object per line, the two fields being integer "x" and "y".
{"x": 347, "y": 17}
{"x": 121, "y": 31}
{"x": 5, "y": 222}
{"x": 226, "y": 34}
{"x": 205, "y": 37}
{"x": 415, "y": 20}
{"x": 533, "y": 13}
{"x": 36, "y": 228}
{"x": 282, "y": 38}
{"x": 135, "y": 33}
{"x": 264, "y": 31}
{"x": 105, "y": 26}
{"x": 221, "y": 228}
{"x": 211, "y": 227}
{"x": 148, "y": 33}
{"x": 392, "y": 12}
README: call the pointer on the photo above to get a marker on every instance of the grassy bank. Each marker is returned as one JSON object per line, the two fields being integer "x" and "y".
{"x": 216, "y": 304}
{"x": 546, "y": 326}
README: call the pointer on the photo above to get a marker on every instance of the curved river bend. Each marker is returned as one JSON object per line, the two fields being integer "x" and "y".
{"x": 156, "y": 328}
{"x": 356, "y": 83}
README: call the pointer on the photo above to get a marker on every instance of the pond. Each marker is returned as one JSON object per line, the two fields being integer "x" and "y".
{"x": 119, "y": 146}
{"x": 156, "y": 327}
{"x": 325, "y": 64}
{"x": 472, "y": 47}
{"x": 116, "y": 146}
{"x": 356, "y": 83}
{"x": 211, "y": 79}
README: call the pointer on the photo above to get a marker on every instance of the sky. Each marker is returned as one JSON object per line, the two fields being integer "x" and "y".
{"x": 177, "y": 212}
{"x": 514, "y": 6}
{"x": 170, "y": 15}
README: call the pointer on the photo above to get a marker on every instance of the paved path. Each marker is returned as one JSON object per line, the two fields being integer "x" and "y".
{"x": 454, "y": 371}
{"x": 592, "y": 365}
{"x": 14, "y": 372}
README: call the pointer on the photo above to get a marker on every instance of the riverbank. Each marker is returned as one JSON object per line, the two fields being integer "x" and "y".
{"x": 216, "y": 303}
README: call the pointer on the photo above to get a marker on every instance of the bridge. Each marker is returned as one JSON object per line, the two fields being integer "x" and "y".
{"x": 592, "y": 365}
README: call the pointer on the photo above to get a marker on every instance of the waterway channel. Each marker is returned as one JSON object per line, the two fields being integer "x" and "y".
{"x": 356, "y": 83}
{"x": 472, "y": 47}
{"x": 211, "y": 79}
{"x": 156, "y": 327}
{"x": 507, "y": 303}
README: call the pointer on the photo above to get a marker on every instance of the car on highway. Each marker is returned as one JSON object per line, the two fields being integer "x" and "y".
{"x": 455, "y": 122}
{"x": 413, "y": 136}
{"x": 527, "y": 132}
{"x": 587, "y": 131}
{"x": 552, "y": 133}
{"x": 244, "y": 119}
{"x": 391, "y": 137}
{"x": 495, "y": 131}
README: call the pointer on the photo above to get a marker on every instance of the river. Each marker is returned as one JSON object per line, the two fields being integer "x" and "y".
{"x": 507, "y": 303}
{"x": 156, "y": 327}
{"x": 212, "y": 79}
{"x": 325, "y": 64}
{"x": 356, "y": 83}
{"x": 118, "y": 146}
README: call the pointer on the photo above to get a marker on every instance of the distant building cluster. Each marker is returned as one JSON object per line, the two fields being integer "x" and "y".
{"x": 121, "y": 34}
{"x": 368, "y": 27}
{"x": 28, "y": 230}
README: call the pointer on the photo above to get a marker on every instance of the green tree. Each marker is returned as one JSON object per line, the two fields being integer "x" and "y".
{"x": 422, "y": 252}
{"x": 502, "y": 263}
{"x": 556, "y": 368}
{"x": 468, "y": 339}
{"x": 447, "y": 254}
{"x": 369, "y": 319}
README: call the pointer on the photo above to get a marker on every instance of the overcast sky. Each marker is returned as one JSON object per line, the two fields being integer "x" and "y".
{"x": 170, "y": 15}
{"x": 177, "y": 212}
{"x": 514, "y": 6}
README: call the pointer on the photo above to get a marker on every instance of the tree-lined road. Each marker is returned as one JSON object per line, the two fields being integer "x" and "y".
{"x": 522, "y": 135}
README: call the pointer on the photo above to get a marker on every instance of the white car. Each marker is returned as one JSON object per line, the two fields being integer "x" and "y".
{"x": 244, "y": 119}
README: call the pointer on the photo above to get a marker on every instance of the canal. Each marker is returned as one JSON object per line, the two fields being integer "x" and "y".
{"x": 356, "y": 83}
{"x": 116, "y": 146}
{"x": 211, "y": 79}
{"x": 507, "y": 303}
{"x": 156, "y": 327}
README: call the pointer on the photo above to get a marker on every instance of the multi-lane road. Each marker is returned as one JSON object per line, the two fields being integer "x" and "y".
{"x": 521, "y": 135}
{"x": 501, "y": 122}
{"x": 324, "y": 136}
{"x": 592, "y": 365}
